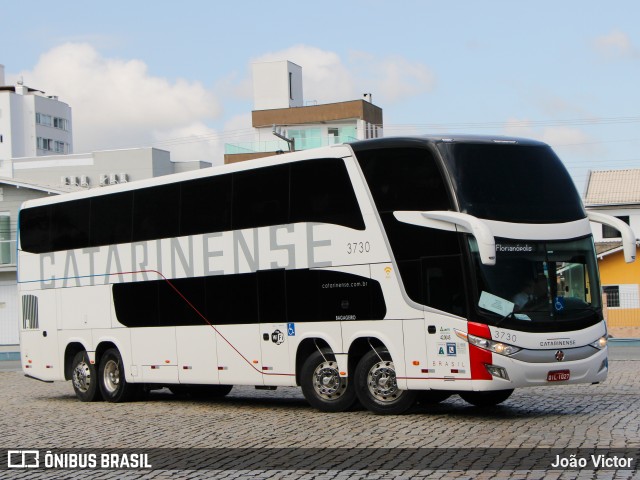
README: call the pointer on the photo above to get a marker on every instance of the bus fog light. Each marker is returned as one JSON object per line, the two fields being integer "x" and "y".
{"x": 604, "y": 365}
{"x": 496, "y": 371}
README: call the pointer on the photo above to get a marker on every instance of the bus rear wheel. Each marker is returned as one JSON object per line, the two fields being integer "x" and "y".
{"x": 84, "y": 378}
{"x": 113, "y": 385}
{"x": 486, "y": 399}
{"x": 322, "y": 385}
{"x": 377, "y": 387}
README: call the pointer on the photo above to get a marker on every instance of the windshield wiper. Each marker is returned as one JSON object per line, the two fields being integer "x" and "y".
{"x": 510, "y": 315}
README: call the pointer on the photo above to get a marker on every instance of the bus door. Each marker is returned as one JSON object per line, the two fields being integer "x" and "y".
{"x": 274, "y": 332}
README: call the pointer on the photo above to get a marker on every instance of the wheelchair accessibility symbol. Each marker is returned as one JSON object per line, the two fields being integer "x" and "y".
{"x": 291, "y": 329}
{"x": 559, "y": 304}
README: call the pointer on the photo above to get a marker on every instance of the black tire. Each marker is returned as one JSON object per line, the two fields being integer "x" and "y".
{"x": 376, "y": 385}
{"x": 431, "y": 397}
{"x": 322, "y": 385}
{"x": 84, "y": 378}
{"x": 206, "y": 391}
{"x": 113, "y": 385}
{"x": 486, "y": 399}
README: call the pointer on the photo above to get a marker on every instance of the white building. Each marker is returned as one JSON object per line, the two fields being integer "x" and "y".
{"x": 31, "y": 123}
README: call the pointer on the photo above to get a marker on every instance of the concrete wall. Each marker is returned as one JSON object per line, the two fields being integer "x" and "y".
{"x": 277, "y": 85}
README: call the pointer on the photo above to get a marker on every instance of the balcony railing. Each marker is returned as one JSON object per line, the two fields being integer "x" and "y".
{"x": 305, "y": 143}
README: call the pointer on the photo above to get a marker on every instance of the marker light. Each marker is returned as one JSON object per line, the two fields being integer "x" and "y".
{"x": 600, "y": 343}
{"x": 485, "y": 344}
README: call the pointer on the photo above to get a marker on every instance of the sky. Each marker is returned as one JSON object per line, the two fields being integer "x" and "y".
{"x": 177, "y": 75}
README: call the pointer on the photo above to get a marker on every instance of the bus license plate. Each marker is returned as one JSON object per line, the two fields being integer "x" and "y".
{"x": 558, "y": 375}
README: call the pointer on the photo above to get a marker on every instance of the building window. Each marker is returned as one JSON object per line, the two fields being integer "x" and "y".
{"x": 612, "y": 295}
{"x": 61, "y": 123}
{"x": 42, "y": 119}
{"x": 290, "y": 86}
{"x": 45, "y": 144}
{"x": 60, "y": 147}
{"x": 610, "y": 232}
{"x": 49, "y": 121}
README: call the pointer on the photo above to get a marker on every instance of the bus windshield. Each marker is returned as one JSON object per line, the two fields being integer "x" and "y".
{"x": 512, "y": 183}
{"x": 538, "y": 285}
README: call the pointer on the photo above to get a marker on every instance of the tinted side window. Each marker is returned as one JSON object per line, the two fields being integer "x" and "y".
{"x": 404, "y": 179}
{"x": 34, "y": 229}
{"x": 321, "y": 191}
{"x": 261, "y": 197}
{"x": 70, "y": 225}
{"x": 111, "y": 219}
{"x": 243, "y": 297}
{"x": 206, "y": 205}
{"x": 323, "y": 295}
{"x": 156, "y": 212}
{"x": 180, "y": 301}
{"x": 429, "y": 260}
{"x": 136, "y": 304}
{"x": 271, "y": 296}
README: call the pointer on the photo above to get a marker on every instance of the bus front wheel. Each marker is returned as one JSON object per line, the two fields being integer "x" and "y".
{"x": 377, "y": 387}
{"x": 486, "y": 399}
{"x": 322, "y": 385}
{"x": 84, "y": 378}
{"x": 113, "y": 385}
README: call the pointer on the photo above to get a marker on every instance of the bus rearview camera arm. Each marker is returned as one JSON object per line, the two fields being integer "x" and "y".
{"x": 455, "y": 222}
{"x": 628, "y": 237}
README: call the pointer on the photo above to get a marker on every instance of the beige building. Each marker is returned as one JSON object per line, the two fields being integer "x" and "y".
{"x": 282, "y": 122}
{"x": 617, "y": 193}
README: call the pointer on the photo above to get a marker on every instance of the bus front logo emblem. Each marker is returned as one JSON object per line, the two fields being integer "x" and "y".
{"x": 559, "y": 355}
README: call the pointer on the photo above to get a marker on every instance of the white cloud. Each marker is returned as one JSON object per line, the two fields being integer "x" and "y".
{"x": 616, "y": 44}
{"x": 329, "y": 78}
{"x": 568, "y": 138}
{"x": 118, "y": 103}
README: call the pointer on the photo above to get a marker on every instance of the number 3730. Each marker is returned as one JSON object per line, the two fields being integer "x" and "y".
{"x": 358, "y": 247}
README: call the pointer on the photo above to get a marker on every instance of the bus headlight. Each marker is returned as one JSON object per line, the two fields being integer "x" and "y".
{"x": 600, "y": 343}
{"x": 486, "y": 344}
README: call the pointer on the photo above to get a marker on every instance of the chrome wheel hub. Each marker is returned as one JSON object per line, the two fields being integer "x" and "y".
{"x": 382, "y": 383}
{"x": 81, "y": 377}
{"x": 327, "y": 382}
{"x": 111, "y": 376}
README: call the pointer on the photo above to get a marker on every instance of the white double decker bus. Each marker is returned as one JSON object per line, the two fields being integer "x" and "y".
{"x": 377, "y": 271}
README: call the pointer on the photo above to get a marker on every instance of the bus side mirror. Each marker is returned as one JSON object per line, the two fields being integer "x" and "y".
{"x": 628, "y": 237}
{"x": 455, "y": 222}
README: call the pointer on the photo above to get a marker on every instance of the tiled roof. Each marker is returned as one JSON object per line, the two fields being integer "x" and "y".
{"x": 613, "y": 187}
{"x": 602, "y": 247}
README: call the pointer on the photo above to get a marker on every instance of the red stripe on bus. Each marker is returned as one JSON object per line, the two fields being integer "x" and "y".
{"x": 479, "y": 357}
